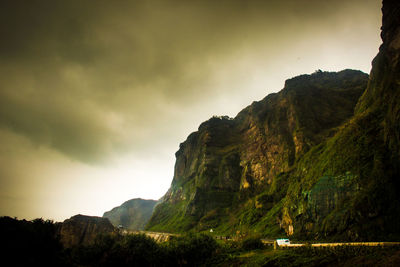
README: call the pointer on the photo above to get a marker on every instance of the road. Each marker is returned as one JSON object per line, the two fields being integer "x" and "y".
{"x": 162, "y": 237}
{"x": 295, "y": 245}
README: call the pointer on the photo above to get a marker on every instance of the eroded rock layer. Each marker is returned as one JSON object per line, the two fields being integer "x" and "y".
{"x": 227, "y": 161}
{"x": 83, "y": 230}
{"x": 315, "y": 160}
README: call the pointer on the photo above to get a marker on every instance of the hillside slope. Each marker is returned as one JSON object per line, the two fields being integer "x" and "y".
{"x": 360, "y": 163}
{"x": 83, "y": 230}
{"x": 314, "y": 161}
{"x": 229, "y": 161}
{"x": 132, "y": 214}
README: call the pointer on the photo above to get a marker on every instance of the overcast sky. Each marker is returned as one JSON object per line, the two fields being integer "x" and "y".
{"x": 95, "y": 96}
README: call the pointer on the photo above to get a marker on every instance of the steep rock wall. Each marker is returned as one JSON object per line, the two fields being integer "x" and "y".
{"x": 366, "y": 149}
{"x": 82, "y": 230}
{"x": 300, "y": 160}
{"x": 227, "y": 161}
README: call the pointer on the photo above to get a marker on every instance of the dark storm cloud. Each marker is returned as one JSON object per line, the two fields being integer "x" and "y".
{"x": 89, "y": 78}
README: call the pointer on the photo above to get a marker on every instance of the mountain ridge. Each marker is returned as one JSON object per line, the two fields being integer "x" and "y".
{"x": 83, "y": 230}
{"x": 318, "y": 160}
{"x": 229, "y": 160}
{"x": 132, "y": 214}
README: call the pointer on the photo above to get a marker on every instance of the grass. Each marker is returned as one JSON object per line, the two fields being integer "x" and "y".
{"x": 342, "y": 184}
{"x": 308, "y": 256}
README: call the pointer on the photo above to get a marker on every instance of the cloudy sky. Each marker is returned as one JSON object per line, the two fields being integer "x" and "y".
{"x": 95, "y": 96}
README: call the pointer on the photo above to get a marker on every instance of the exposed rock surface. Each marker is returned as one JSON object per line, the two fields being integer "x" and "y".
{"x": 82, "y": 230}
{"x": 132, "y": 214}
{"x": 229, "y": 160}
{"x": 315, "y": 160}
{"x": 367, "y": 150}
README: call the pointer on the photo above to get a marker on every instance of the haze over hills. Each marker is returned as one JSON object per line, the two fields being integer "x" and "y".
{"x": 315, "y": 160}
{"x": 132, "y": 214}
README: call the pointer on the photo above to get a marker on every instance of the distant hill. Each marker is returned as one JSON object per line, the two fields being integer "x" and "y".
{"x": 132, "y": 214}
{"x": 318, "y": 160}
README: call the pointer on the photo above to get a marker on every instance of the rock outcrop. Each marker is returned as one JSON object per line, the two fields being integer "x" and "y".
{"x": 366, "y": 150}
{"x": 83, "y": 230}
{"x": 315, "y": 160}
{"x": 132, "y": 214}
{"x": 227, "y": 161}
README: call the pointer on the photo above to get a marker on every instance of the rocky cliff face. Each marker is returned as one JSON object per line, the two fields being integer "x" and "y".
{"x": 132, "y": 214}
{"x": 364, "y": 154}
{"x": 315, "y": 160}
{"x": 82, "y": 230}
{"x": 227, "y": 161}
{"x": 383, "y": 90}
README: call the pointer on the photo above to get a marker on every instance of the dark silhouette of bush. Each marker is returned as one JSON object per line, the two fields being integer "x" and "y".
{"x": 30, "y": 243}
{"x": 117, "y": 250}
{"x": 191, "y": 250}
{"x": 251, "y": 243}
{"x": 36, "y": 243}
{"x": 135, "y": 250}
{"x": 96, "y": 254}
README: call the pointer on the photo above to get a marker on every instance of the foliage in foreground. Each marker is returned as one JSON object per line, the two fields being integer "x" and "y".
{"x": 321, "y": 256}
{"x": 30, "y": 243}
{"x": 35, "y": 243}
{"x": 140, "y": 250}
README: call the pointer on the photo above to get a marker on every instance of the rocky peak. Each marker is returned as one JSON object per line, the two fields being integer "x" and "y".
{"x": 132, "y": 214}
{"x": 83, "y": 229}
{"x": 228, "y": 160}
{"x": 349, "y": 187}
{"x": 315, "y": 160}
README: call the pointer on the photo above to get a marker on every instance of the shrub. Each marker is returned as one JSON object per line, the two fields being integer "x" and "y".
{"x": 30, "y": 242}
{"x": 134, "y": 250}
{"x": 250, "y": 243}
{"x": 191, "y": 249}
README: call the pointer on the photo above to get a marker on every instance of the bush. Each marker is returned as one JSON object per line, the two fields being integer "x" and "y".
{"x": 134, "y": 250}
{"x": 117, "y": 250}
{"x": 333, "y": 256}
{"x": 30, "y": 243}
{"x": 250, "y": 243}
{"x": 191, "y": 249}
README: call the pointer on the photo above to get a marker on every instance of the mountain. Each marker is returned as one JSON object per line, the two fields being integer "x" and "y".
{"x": 82, "y": 230}
{"x": 318, "y": 160}
{"x": 132, "y": 214}
{"x": 353, "y": 186}
{"x": 227, "y": 162}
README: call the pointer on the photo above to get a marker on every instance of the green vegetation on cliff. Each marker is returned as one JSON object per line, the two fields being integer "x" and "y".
{"x": 363, "y": 156}
{"x": 232, "y": 175}
{"x": 36, "y": 243}
{"x": 318, "y": 160}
